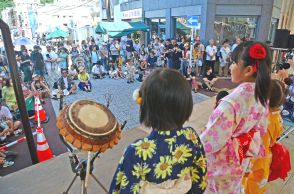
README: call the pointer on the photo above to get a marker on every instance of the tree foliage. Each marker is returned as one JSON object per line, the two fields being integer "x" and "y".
{"x": 5, "y": 3}
{"x": 46, "y": 1}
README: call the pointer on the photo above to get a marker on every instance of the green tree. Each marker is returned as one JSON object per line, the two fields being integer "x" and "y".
{"x": 5, "y": 3}
{"x": 46, "y": 1}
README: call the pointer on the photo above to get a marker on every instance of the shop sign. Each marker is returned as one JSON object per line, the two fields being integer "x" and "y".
{"x": 135, "y": 13}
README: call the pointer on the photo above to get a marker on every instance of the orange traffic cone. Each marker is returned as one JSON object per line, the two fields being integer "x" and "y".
{"x": 43, "y": 149}
{"x": 42, "y": 113}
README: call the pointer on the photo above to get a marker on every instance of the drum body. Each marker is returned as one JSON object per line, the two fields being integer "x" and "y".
{"x": 89, "y": 126}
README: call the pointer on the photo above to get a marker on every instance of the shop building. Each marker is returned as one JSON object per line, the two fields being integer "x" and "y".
{"x": 217, "y": 19}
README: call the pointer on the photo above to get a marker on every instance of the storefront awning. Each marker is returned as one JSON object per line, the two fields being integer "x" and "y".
{"x": 139, "y": 26}
{"x": 119, "y": 29}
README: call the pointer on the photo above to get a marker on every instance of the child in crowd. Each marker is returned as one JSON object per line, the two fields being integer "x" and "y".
{"x": 84, "y": 79}
{"x": 120, "y": 72}
{"x": 220, "y": 96}
{"x": 113, "y": 73}
{"x": 255, "y": 181}
{"x": 171, "y": 158}
{"x": 72, "y": 72}
{"x": 98, "y": 70}
{"x": 191, "y": 78}
{"x": 40, "y": 88}
{"x": 131, "y": 70}
{"x": 239, "y": 119}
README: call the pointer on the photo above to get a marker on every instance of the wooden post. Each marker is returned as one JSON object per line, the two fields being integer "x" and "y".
{"x": 18, "y": 89}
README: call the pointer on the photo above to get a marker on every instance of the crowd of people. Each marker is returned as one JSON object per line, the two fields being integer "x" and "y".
{"x": 171, "y": 155}
{"x": 237, "y": 151}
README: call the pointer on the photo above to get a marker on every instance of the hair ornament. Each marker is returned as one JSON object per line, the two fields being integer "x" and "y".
{"x": 137, "y": 97}
{"x": 257, "y": 52}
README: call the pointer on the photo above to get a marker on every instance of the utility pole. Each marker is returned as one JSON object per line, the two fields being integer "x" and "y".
{"x": 108, "y": 13}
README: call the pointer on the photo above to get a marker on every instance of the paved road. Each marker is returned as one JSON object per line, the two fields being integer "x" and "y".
{"x": 122, "y": 105}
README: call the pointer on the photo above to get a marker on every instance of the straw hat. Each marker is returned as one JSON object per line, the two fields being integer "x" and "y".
{"x": 81, "y": 68}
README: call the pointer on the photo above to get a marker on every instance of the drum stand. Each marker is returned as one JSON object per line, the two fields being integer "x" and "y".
{"x": 83, "y": 168}
{"x": 79, "y": 167}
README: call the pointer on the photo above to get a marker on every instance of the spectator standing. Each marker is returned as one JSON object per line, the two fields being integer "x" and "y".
{"x": 176, "y": 56}
{"x": 38, "y": 61}
{"x": 87, "y": 57}
{"x": 63, "y": 59}
{"x": 93, "y": 45}
{"x": 74, "y": 53}
{"x": 95, "y": 57}
{"x": 169, "y": 49}
{"x": 237, "y": 42}
{"x": 137, "y": 49}
{"x": 225, "y": 52}
{"x": 25, "y": 66}
{"x": 114, "y": 49}
{"x": 129, "y": 47}
{"x": 186, "y": 58}
{"x": 50, "y": 58}
{"x": 211, "y": 51}
{"x": 198, "y": 53}
{"x": 104, "y": 57}
{"x": 130, "y": 71}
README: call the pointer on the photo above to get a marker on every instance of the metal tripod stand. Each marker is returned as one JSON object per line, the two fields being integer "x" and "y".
{"x": 79, "y": 167}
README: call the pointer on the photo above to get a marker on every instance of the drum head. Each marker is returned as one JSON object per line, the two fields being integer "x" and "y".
{"x": 91, "y": 118}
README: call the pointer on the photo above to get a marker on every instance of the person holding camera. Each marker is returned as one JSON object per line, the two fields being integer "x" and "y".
{"x": 50, "y": 58}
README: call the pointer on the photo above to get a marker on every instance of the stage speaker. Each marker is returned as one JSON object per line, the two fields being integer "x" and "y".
{"x": 281, "y": 38}
{"x": 291, "y": 41}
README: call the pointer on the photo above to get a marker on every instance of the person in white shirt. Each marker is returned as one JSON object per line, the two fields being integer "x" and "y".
{"x": 98, "y": 70}
{"x": 72, "y": 72}
{"x": 238, "y": 41}
{"x": 225, "y": 58}
{"x": 50, "y": 58}
{"x": 7, "y": 125}
{"x": 211, "y": 51}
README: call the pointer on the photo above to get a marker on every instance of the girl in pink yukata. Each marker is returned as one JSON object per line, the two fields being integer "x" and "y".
{"x": 233, "y": 133}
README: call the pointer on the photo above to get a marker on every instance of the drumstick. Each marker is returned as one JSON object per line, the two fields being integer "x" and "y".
{"x": 88, "y": 170}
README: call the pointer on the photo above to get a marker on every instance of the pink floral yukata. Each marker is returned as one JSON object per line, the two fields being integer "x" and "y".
{"x": 237, "y": 114}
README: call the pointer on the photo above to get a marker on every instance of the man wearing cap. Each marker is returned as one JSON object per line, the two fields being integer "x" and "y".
{"x": 38, "y": 61}
{"x": 50, "y": 58}
{"x": 25, "y": 65}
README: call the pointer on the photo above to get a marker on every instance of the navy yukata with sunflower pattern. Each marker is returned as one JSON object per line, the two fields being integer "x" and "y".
{"x": 162, "y": 156}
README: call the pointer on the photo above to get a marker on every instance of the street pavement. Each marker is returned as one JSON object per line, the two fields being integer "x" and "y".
{"x": 122, "y": 104}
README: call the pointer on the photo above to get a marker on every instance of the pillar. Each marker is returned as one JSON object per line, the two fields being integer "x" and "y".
{"x": 207, "y": 20}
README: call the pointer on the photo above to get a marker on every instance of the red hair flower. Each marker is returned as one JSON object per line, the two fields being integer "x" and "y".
{"x": 257, "y": 51}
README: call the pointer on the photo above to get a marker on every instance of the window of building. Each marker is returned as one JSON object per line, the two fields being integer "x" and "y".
{"x": 158, "y": 27}
{"x": 229, "y": 27}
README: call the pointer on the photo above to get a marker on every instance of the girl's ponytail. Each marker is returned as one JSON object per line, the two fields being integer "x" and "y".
{"x": 257, "y": 55}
